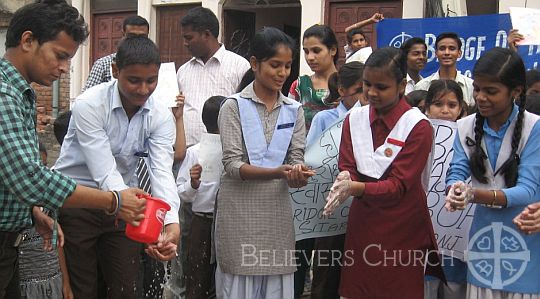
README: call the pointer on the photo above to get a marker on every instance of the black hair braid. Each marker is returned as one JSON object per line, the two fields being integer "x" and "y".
{"x": 478, "y": 156}
{"x": 510, "y": 166}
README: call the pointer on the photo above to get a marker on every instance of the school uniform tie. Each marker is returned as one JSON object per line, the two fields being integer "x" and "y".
{"x": 142, "y": 173}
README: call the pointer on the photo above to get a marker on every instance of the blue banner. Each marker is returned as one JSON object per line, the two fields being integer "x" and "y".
{"x": 478, "y": 34}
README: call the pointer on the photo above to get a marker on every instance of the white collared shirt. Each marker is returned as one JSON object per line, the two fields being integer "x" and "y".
{"x": 100, "y": 145}
{"x": 220, "y": 76}
{"x": 204, "y": 197}
{"x": 464, "y": 82}
{"x": 410, "y": 84}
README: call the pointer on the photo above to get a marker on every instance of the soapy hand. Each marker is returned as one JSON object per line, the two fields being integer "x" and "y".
{"x": 340, "y": 191}
{"x": 458, "y": 197}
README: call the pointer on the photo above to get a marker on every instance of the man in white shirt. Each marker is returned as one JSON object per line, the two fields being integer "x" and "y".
{"x": 212, "y": 71}
{"x": 416, "y": 51}
{"x": 448, "y": 50}
{"x": 110, "y": 124}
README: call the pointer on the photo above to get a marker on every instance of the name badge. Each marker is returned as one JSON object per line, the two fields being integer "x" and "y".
{"x": 285, "y": 126}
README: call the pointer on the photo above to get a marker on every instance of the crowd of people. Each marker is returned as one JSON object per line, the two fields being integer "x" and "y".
{"x": 226, "y": 156}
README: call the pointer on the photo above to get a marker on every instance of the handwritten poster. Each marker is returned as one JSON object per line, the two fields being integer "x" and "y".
{"x": 309, "y": 201}
{"x": 451, "y": 228}
{"x": 527, "y": 22}
{"x": 167, "y": 88}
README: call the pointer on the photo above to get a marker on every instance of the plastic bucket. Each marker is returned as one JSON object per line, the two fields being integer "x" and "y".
{"x": 152, "y": 224}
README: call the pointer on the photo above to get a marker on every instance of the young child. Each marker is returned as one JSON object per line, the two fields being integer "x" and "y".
{"x": 202, "y": 194}
{"x": 498, "y": 149}
{"x": 113, "y": 124}
{"x": 320, "y": 47}
{"x": 263, "y": 138}
{"x": 346, "y": 86}
{"x": 445, "y": 101}
{"x": 43, "y": 273}
{"x": 383, "y": 154}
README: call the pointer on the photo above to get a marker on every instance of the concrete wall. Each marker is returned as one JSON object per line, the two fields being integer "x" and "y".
{"x": 504, "y": 5}
{"x": 413, "y": 9}
{"x": 2, "y": 39}
{"x": 12, "y": 5}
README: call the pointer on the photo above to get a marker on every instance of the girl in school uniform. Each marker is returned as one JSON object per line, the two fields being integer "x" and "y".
{"x": 385, "y": 148}
{"x": 263, "y": 139}
{"x": 444, "y": 101}
{"x": 498, "y": 149}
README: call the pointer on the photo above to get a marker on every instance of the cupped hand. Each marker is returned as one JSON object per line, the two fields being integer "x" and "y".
{"x": 528, "y": 221}
{"x": 298, "y": 176}
{"x": 165, "y": 248}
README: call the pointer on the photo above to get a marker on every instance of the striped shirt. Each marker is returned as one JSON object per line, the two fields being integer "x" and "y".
{"x": 24, "y": 180}
{"x": 220, "y": 76}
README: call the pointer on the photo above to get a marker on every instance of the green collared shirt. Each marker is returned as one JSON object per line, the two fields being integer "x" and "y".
{"x": 25, "y": 181}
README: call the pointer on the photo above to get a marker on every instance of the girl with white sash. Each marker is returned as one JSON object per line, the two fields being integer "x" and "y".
{"x": 263, "y": 140}
{"x": 385, "y": 148}
{"x": 498, "y": 148}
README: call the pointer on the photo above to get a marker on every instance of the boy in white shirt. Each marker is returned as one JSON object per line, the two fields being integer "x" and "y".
{"x": 202, "y": 192}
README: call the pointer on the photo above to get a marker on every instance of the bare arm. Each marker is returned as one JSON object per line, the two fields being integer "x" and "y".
{"x": 66, "y": 287}
{"x": 374, "y": 19}
{"x": 250, "y": 172}
{"x": 180, "y": 142}
{"x": 132, "y": 207}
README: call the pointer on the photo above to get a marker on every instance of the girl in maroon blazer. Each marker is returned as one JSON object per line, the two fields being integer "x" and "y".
{"x": 385, "y": 148}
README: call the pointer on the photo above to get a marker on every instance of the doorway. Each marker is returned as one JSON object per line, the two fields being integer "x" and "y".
{"x": 242, "y": 18}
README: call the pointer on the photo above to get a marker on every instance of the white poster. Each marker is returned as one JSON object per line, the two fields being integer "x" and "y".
{"x": 167, "y": 88}
{"x": 527, "y": 22}
{"x": 210, "y": 156}
{"x": 451, "y": 228}
{"x": 309, "y": 201}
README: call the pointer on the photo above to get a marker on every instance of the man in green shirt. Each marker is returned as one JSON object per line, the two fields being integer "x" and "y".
{"x": 41, "y": 39}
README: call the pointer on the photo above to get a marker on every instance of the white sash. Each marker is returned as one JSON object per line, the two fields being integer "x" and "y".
{"x": 466, "y": 129}
{"x": 260, "y": 153}
{"x": 374, "y": 163}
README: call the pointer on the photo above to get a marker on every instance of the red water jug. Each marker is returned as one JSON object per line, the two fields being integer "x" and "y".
{"x": 152, "y": 224}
